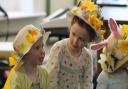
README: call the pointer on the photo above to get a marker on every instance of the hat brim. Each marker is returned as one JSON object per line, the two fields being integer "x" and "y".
{"x": 118, "y": 64}
{"x": 70, "y": 16}
{"x": 21, "y": 56}
{"x": 45, "y": 38}
{"x": 121, "y": 62}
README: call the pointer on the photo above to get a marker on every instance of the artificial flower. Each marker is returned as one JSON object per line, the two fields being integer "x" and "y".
{"x": 123, "y": 45}
{"x": 88, "y": 6}
{"x": 124, "y": 29}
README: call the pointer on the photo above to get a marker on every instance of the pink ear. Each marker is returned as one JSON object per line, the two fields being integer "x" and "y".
{"x": 97, "y": 46}
{"x": 114, "y": 28}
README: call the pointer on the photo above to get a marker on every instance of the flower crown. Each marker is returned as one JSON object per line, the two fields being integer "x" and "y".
{"x": 90, "y": 14}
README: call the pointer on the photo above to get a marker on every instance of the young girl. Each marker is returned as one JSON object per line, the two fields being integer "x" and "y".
{"x": 69, "y": 64}
{"x": 27, "y": 73}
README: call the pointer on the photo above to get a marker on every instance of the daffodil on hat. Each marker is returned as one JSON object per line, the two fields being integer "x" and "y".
{"x": 90, "y": 14}
{"x": 25, "y": 39}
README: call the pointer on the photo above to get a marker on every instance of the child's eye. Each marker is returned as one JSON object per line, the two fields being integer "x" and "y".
{"x": 42, "y": 45}
{"x": 73, "y": 34}
{"x": 83, "y": 40}
{"x": 39, "y": 46}
{"x": 36, "y": 47}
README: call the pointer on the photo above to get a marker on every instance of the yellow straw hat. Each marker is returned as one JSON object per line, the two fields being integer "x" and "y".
{"x": 24, "y": 40}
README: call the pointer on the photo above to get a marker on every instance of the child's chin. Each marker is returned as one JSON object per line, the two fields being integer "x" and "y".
{"x": 40, "y": 63}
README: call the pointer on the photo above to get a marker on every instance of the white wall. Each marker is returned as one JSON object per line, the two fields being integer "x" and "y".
{"x": 56, "y": 4}
{"x": 9, "y": 5}
{"x": 23, "y": 5}
{"x": 34, "y": 5}
{"x": 39, "y": 5}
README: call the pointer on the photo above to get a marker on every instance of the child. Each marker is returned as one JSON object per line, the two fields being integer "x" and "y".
{"x": 114, "y": 58}
{"x": 27, "y": 73}
{"x": 69, "y": 64}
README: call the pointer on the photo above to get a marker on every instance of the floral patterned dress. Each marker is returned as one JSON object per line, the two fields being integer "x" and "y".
{"x": 67, "y": 71}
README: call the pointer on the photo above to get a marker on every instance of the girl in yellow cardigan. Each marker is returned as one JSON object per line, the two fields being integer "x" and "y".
{"x": 28, "y": 72}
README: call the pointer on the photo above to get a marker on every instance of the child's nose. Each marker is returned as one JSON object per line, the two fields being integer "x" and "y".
{"x": 42, "y": 51}
{"x": 76, "y": 40}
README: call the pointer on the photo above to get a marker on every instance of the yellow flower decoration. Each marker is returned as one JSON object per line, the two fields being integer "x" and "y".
{"x": 123, "y": 46}
{"x": 13, "y": 59}
{"x": 34, "y": 32}
{"x": 88, "y": 6}
{"x": 95, "y": 22}
{"x": 31, "y": 36}
{"x": 124, "y": 29}
{"x": 75, "y": 11}
{"x": 102, "y": 32}
{"x": 22, "y": 47}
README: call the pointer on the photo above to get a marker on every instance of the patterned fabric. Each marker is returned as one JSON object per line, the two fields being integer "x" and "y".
{"x": 67, "y": 71}
{"x": 18, "y": 79}
{"x": 117, "y": 80}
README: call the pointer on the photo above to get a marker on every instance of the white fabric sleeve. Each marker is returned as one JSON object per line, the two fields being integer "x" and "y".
{"x": 102, "y": 81}
{"x": 53, "y": 66}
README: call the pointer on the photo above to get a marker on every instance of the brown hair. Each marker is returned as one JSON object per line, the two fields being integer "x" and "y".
{"x": 92, "y": 33}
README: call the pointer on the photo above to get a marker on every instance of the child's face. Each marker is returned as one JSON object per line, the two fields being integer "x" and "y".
{"x": 37, "y": 53}
{"x": 79, "y": 36}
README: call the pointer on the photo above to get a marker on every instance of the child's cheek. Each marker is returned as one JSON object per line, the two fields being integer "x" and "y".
{"x": 82, "y": 44}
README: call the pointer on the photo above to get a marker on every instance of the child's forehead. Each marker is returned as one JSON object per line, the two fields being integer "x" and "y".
{"x": 78, "y": 26}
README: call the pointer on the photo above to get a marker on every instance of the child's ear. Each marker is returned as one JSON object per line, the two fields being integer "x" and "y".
{"x": 114, "y": 28}
{"x": 97, "y": 46}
